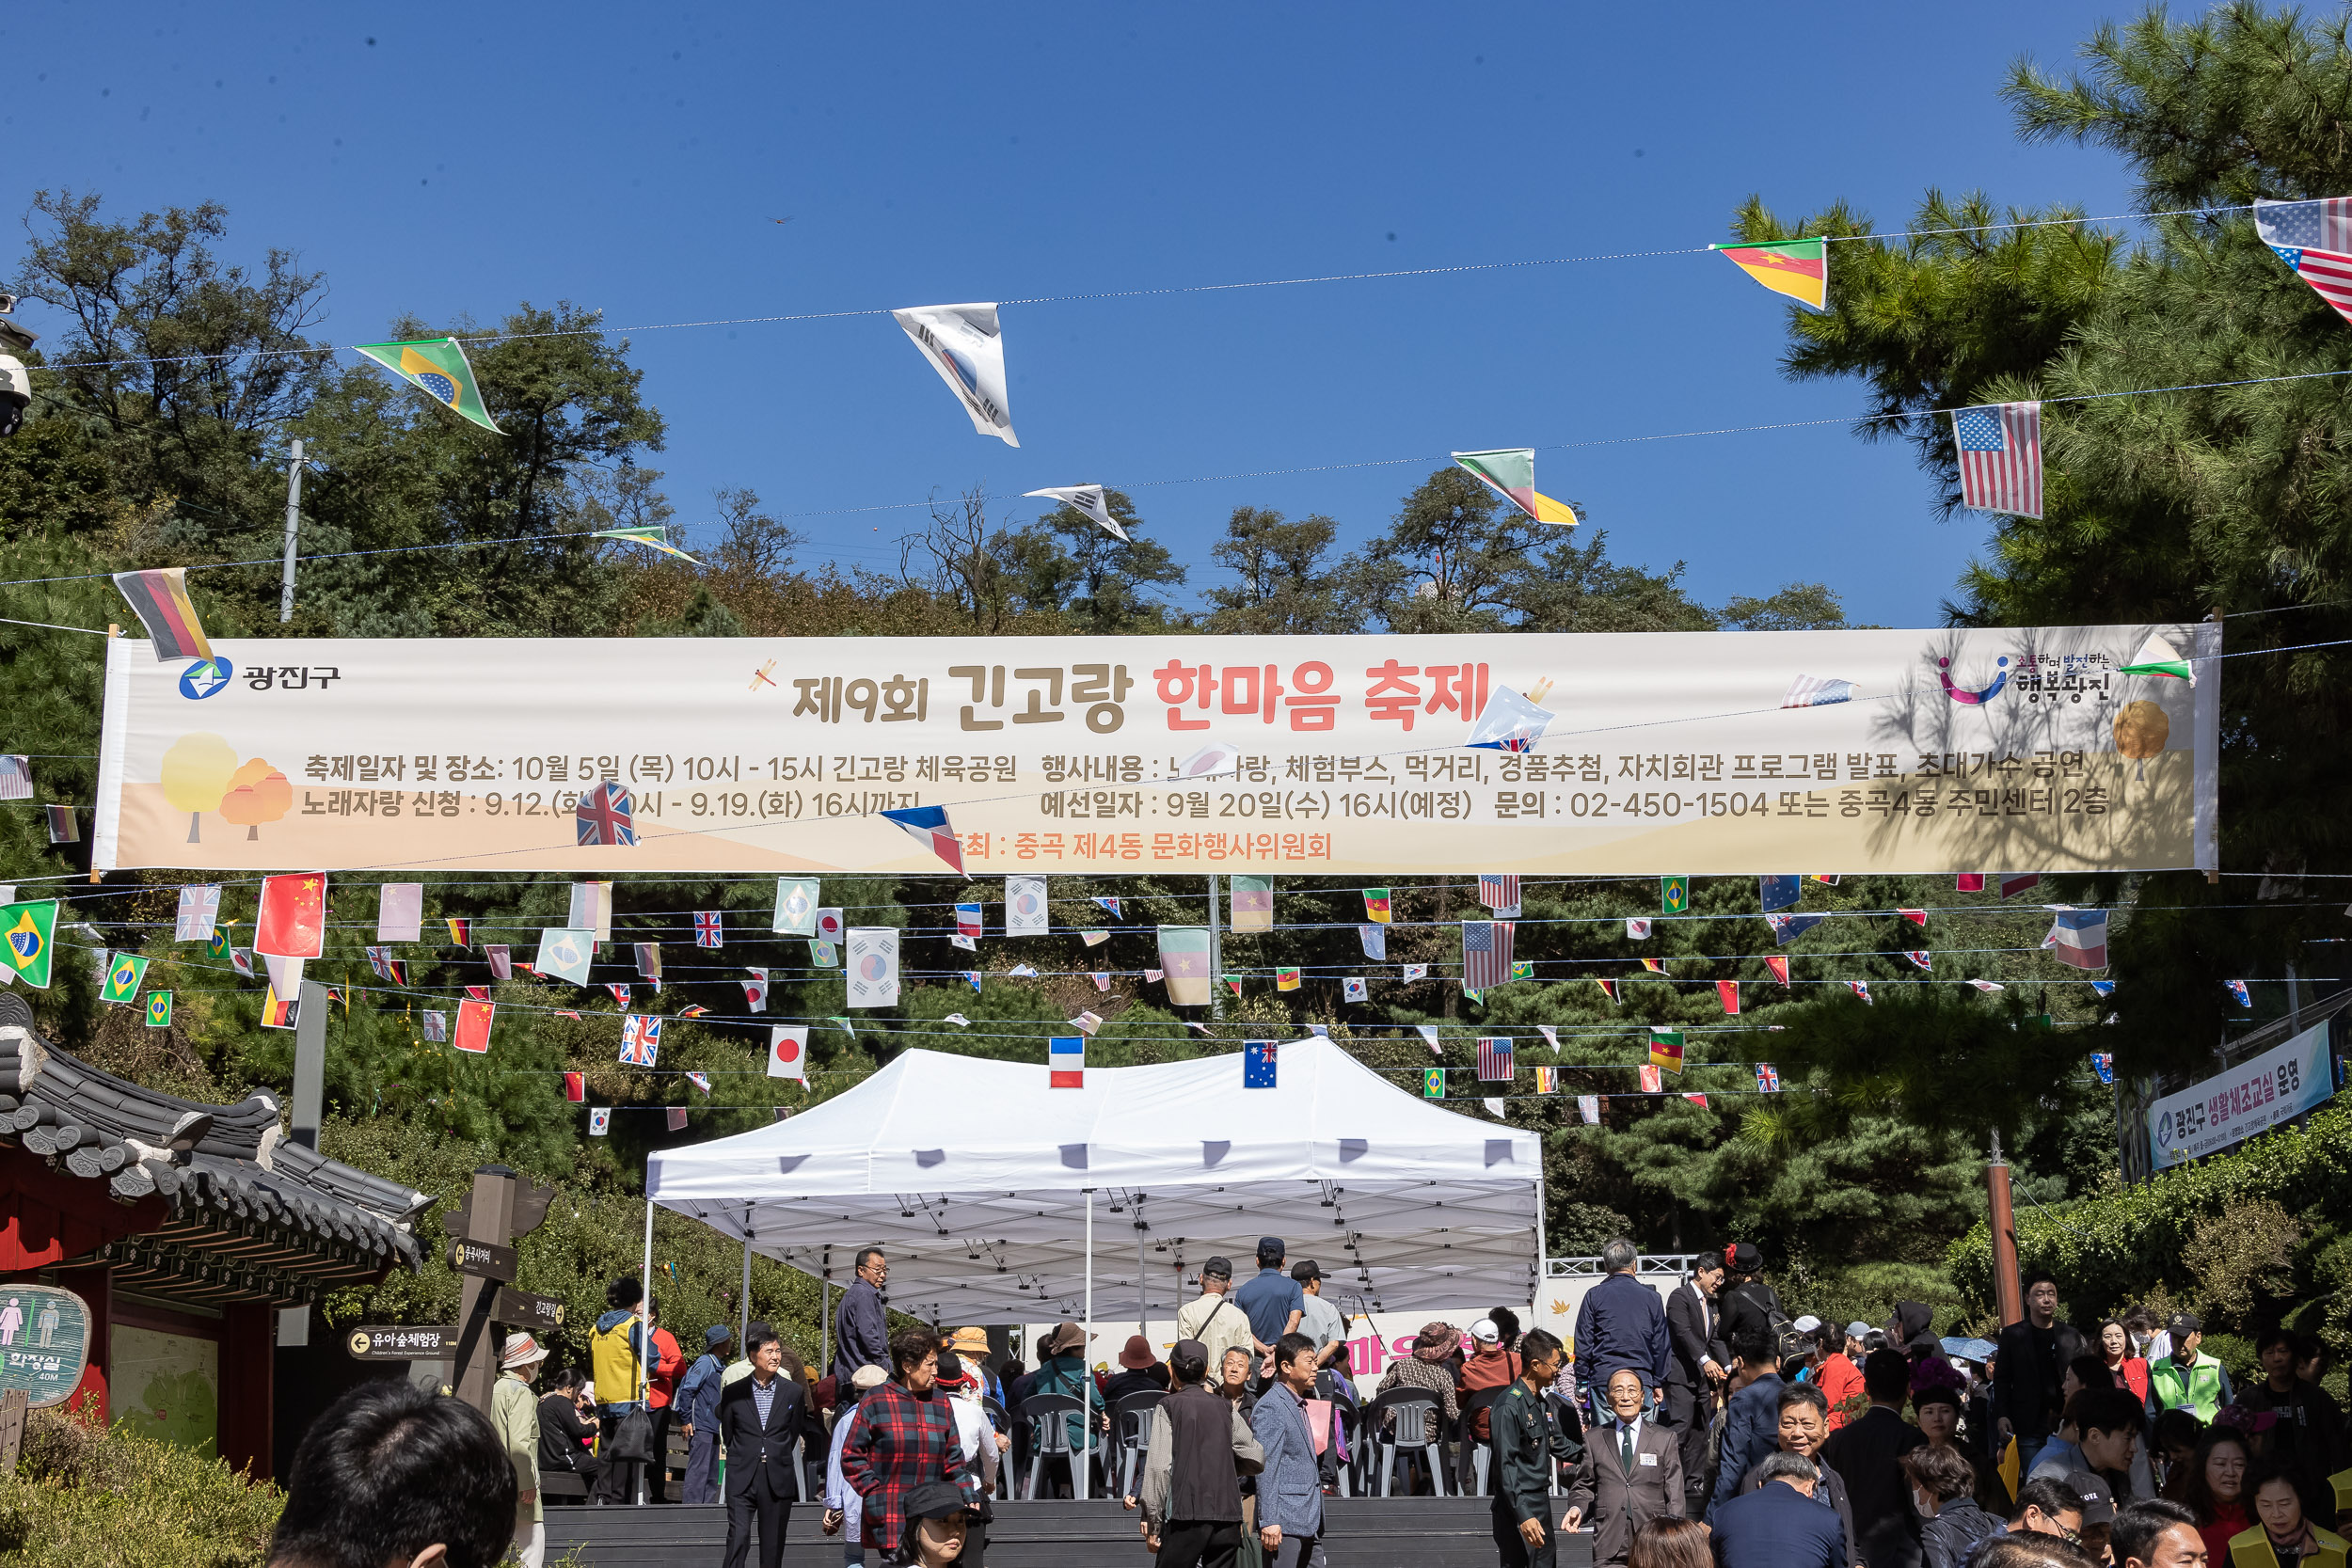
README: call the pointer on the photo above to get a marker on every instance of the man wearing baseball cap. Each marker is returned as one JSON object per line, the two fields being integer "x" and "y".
{"x": 1213, "y": 1318}
{"x": 2187, "y": 1379}
{"x": 515, "y": 1416}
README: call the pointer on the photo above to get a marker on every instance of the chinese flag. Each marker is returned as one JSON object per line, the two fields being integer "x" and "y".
{"x": 474, "y": 1028}
{"x": 576, "y": 1086}
{"x": 293, "y": 923}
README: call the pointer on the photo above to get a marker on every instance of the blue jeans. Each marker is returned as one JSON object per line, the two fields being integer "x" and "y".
{"x": 2028, "y": 1450}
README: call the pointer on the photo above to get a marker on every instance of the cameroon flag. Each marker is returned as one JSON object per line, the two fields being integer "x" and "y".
{"x": 1665, "y": 1049}
{"x": 438, "y": 365}
{"x": 28, "y": 932}
{"x": 1797, "y": 268}
{"x": 1510, "y": 472}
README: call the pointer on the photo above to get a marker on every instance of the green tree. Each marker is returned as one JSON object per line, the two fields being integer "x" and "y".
{"x": 1286, "y": 586}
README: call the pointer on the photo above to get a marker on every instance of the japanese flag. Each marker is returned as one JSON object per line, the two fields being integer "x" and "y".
{"x": 787, "y": 1052}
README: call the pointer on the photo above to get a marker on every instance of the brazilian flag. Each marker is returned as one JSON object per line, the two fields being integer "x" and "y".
{"x": 123, "y": 976}
{"x": 1674, "y": 894}
{"x": 159, "y": 1009}
{"x": 28, "y": 940}
{"x": 1433, "y": 1083}
{"x": 438, "y": 365}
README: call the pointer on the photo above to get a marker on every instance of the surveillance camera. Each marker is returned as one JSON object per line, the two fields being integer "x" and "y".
{"x": 16, "y": 394}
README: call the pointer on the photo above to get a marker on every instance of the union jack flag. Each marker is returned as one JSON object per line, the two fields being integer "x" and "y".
{"x": 1860, "y": 987}
{"x": 604, "y": 815}
{"x": 1495, "y": 1064}
{"x": 1767, "y": 1078}
{"x": 707, "y": 932}
{"x": 700, "y": 1081}
{"x": 1920, "y": 957}
{"x": 436, "y": 1026}
{"x": 620, "y": 992}
{"x": 2000, "y": 457}
{"x": 1486, "y": 953}
{"x": 641, "y": 1040}
{"x": 1499, "y": 893}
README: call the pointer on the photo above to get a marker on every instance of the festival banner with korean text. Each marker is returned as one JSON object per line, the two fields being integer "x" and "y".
{"x": 2255, "y": 1095}
{"x": 1702, "y": 754}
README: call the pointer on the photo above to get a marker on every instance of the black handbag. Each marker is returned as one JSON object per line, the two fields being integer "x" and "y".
{"x": 633, "y": 1439}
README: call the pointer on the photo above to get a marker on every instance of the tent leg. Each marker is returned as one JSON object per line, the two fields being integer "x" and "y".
{"x": 1143, "y": 1290}
{"x": 645, "y": 1372}
{"x": 743, "y": 1316}
{"x": 824, "y": 1329}
{"x": 1085, "y": 1422}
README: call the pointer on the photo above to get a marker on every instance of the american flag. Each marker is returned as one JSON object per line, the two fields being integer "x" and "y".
{"x": 641, "y": 1040}
{"x": 709, "y": 933}
{"x": 2326, "y": 225}
{"x": 1486, "y": 953}
{"x": 603, "y": 816}
{"x": 1494, "y": 1059}
{"x": 1767, "y": 1078}
{"x": 2328, "y": 273}
{"x": 2000, "y": 457}
{"x": 1499, "y": 894}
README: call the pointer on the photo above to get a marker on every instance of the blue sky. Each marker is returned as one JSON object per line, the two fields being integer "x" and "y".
{"x": 456, "y": 160}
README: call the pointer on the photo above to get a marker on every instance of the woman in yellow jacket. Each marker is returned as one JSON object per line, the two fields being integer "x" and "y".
{"x": 2281, "y": 1537}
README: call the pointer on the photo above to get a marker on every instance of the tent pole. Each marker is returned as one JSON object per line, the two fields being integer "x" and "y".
{"x": 1143, "y": 1289}
{"x": 1543, "y": 1243}
{"x": 1086, "y": 1373}
{"x": 1216, "y": 957}
{"x": 644, "y": 1371}
{"x": 743, "y": 1316}
{"x": 824, "y": 1317}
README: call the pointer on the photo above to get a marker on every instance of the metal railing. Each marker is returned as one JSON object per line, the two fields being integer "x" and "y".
{"x": 1647, "y": 1262}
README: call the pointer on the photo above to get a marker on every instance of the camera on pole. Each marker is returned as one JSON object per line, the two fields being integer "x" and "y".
{"x": 16, "y": 382}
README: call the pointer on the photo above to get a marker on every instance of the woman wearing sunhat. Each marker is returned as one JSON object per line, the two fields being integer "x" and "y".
{"x": 514, "y": 1416}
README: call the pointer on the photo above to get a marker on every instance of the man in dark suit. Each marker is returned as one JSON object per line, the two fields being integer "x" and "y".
{"x": 1700, "y": 1364}
{"x": 1621, "y": 1324}
{"x": 1864, "y": 1451}
{"x": 1804, "y": 1428}
{"x": 1631, "y": 1473}
{"x": 760, "y": 1417}
{"x": 1778, "y": 1525}
{"x": 2029, "y": 1371}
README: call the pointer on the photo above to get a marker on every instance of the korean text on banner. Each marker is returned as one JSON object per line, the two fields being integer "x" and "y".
{"x": 1348, "y": 753}
{"x": 2252, "y": 1097}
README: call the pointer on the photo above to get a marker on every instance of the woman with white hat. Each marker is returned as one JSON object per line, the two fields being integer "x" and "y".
{"x": 514, "y": 1416}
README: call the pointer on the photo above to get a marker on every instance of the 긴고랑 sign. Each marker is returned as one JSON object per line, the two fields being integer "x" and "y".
{"x": 2024, "y": 749}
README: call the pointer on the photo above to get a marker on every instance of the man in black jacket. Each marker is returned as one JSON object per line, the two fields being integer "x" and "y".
{"x": 1864, "y": 1454}
{"x": 1701, "y": 1361}
{"x": 760, "y": 1417}
{"x": 2029, "y": 1369}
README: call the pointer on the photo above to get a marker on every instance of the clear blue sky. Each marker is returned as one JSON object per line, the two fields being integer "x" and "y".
{"x": 444, "y": 160}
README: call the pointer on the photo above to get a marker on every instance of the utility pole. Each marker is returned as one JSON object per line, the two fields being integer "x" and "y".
{"x": 293, "y": 524}
{"x": 2006, "y": 1294}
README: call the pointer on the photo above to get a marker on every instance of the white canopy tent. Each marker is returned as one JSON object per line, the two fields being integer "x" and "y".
{"x": 981, "y": 1185}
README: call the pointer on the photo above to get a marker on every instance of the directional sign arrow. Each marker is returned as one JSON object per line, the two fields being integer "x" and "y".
{"x": 403, "y": 1343}
{"x": 482, "y": 1260}
{"x": 527, "y": 1310}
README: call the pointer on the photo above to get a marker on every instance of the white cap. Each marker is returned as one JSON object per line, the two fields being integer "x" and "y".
{"x": 1808, "y": 1324}
{"x": 1485, "y": 1331}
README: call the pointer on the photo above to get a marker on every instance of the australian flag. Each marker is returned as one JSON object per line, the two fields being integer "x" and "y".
{"x": 1495, "y": 1064}
{"x": 641, "y": 1040}
{"x": 1486, "y": 953}
{"x": 604, "y": 815}
{"x": 1788, "y": 927}
{"x": 1257, "y": 1065}
{"x": 2102, "y": 1064}
{"x": 707, "y": 930}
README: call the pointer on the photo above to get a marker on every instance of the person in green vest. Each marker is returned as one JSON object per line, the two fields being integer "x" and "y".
{"x": 2281, "y": 1536}
{"x": 2187, "y": 1379}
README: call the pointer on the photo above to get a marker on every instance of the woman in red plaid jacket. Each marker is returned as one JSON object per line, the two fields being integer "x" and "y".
{"x": 902, "y": 1435}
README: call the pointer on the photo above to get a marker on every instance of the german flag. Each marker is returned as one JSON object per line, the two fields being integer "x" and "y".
{"x": 278, "y": 1012}
{"x": 160, "y": 599}
{"x": 1797, "y": 268}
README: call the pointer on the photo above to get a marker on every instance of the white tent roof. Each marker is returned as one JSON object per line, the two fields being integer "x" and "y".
{"x": 970, "y": 1174}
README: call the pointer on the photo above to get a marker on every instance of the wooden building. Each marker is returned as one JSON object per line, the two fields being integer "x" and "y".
{"x": 187, "y": 1228}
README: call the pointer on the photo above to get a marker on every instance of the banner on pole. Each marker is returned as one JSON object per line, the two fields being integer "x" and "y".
{"x": 1957, "y": 748}
{"x": 2252, "y": 1097}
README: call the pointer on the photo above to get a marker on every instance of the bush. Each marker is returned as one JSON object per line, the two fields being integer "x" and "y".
{"x": 85, "y": 1497}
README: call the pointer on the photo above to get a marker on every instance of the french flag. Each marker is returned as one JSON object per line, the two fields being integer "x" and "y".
{"x": 1066, "y": 1054}
{"x": 2079, "y": 938}
{"x": 929, "y": 827}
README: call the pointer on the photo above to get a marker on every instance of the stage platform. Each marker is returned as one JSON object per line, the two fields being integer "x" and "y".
{"x": 1424, "y": 1532}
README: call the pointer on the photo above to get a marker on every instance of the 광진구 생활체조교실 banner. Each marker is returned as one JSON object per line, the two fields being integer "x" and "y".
{"x": 1707, "y": 753}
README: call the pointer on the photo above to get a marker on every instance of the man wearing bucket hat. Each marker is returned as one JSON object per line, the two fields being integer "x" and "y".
{"x": 515, "y": 1416}
{"x": 698, "y": 1407}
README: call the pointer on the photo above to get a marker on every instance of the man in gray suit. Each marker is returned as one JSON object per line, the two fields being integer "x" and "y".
{"x": 1290, "y": 1488}
{"x": 1631, "y": 1472}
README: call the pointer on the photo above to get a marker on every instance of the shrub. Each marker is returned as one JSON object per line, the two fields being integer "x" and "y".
{"x": 87, "y": 1497}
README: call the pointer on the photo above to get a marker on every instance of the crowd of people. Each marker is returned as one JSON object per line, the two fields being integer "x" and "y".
{"x": 1705, "y": 1429}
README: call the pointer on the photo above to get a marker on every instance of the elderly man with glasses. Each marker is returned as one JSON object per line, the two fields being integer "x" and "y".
{"x": 861, "y": 1328}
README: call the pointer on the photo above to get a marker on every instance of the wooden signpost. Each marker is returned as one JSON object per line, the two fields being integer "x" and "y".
{"x": 502, "y": 1208}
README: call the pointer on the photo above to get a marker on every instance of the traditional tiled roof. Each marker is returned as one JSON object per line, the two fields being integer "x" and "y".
{"x": 250, "y": 1214}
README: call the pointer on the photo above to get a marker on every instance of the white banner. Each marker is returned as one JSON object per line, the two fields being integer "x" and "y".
{"x": 1704, "y": 753}
{"x": 2252, "y": 1097}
